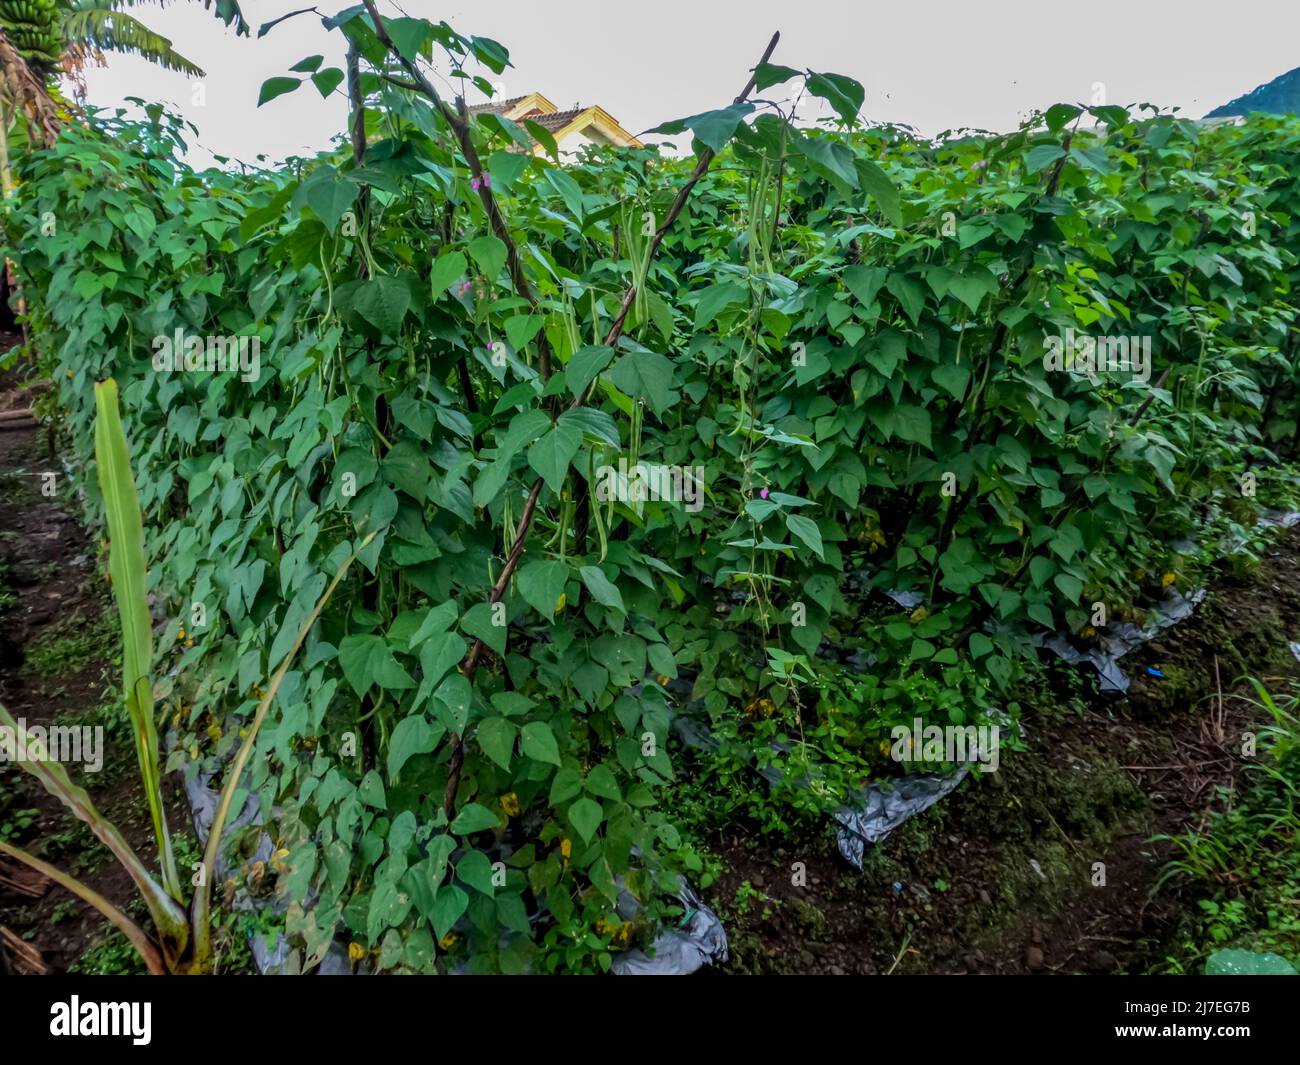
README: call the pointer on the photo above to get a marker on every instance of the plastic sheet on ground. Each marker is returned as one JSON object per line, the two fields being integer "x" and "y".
{"x": 1119, "y": 639}
{"x": 1272, "y": 519}
{"x": 699, "y": 941}
{"x": 907, "y": 600}
{"x": 268, "y": 957}
{"x": 883, "y": 807}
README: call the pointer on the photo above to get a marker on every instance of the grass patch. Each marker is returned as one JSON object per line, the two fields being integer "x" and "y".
{"x": 1242, "y": 874}
{"x": 71, "y": 645}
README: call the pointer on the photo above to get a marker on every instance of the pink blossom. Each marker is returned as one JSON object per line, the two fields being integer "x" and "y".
{"x": 762, "y": 493}
{"x": 482, "y": 182}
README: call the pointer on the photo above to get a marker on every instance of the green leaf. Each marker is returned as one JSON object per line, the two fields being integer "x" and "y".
{"x": 405, "y": 467}
{"x": 971, "y": 287}
{"x": 844, "y": 94}
{"x": 592, "y": 422}
{"x": 383, "y": 302}
{"x": 570, "y": 191}
{"x": 553, "y": 453}
{"x": 711, "y": 128}
{"x": 1071, "y": 587}
{"x": 1058, "y": 116}
{"x": 491, "y": 479}
{"x": 438, "y": 654}
{"x": 584, "y": 365}
{"x": 541, "y": 584}
{"x": 497, "y": 736}
{"x": 507, "y": 167}
{"x": 329, "y": 196}
{"x": 864, "y": 282}
{"x": 543, "y": 136}
{"x": 806, "y": 530}
{"x": 538, "y": 743}
{"x": 567, "y": 784}
{"x": 912, "y": 423}
{"x": 646, "y": 375}
{"x": 367, "y": 661}
{"x": 602, "y": 590}
{"x": 1042, "y": 613}
{"x": 585, "y": 816}
{"x": 327, "y": 80}
{"x": 412, "y": 37}
{"x": 600, "y": 782}
{"x": 490, "y": 53}
{"x": 129, "y": 577}
{"x": 490, "y": 254}
{"x": 478, "y": 622}
{"x": 952, "y": 379}
{"x": 450, "y": 903}
{"x": 877, "y": 183}
{"x": 1042, "y": 155}
{"x": 413, "y": 735}
{"x": 910, "y": 294}
{"x": 451, "y": 702}
{"x": 521, "y": 328}
{"x": 830, "y": 159}
{"x": 526, "y": 427}
{"x": 1248, "y": 963}
{"x": 474, "y": 817}
{"x": 447, "y": 269}
{"x": 273, "y": 87}
{"x": 768, "y": 74}
{"x": 715, "y": 299}
{"x": 475, "y": 869}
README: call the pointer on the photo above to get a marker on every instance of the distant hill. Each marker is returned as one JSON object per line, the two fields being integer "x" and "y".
{"x": 1281, "y": 96}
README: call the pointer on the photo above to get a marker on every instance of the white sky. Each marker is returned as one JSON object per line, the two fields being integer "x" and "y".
{"x": 936, "y": 64}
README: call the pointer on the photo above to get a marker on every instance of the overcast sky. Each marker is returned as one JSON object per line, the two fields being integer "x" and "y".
{"x": 935, "y": 64}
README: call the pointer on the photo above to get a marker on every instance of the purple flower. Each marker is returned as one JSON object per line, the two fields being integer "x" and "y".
{"x": 465, "y": 286}
{"x": 482, "y": 182}
{"x": 762, "y": 493}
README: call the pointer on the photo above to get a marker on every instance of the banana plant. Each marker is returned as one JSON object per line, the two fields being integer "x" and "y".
{"x": 97, "y": 26}
{"x": 182, "y": 942}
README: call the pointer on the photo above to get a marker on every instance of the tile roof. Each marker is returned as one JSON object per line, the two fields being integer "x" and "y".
{"x": 534, "y": 107}
{"x": 495, "y": 107}
{"x": 555, "y": 121}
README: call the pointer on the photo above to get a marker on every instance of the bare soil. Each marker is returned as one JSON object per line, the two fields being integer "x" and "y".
{"x": 52, "y": 596}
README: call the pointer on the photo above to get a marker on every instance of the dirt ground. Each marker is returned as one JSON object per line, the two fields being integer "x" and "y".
{"x": 57, "y": 645}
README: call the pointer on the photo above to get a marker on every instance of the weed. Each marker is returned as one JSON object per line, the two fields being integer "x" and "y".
{"x": 1243, "y": 870}
{"x": 15, "y": 823}
{"x": 63, "y": 649}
